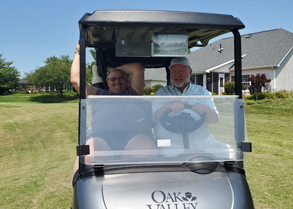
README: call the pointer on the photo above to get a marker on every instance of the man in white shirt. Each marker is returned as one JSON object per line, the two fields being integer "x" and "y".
{"x": 180, "y": 73}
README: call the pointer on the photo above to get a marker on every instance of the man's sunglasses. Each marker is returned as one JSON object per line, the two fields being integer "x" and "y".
{"x": 114, "y": 79}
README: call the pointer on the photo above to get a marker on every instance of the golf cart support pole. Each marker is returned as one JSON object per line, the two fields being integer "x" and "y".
{"x": 82, "y": 63}
{"x": 82, "y": 91}
{"x": 239, "y": 104}
{"x": 238, "y": 66}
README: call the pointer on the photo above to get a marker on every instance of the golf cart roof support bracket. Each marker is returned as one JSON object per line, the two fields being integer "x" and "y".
{"x": 83, "y": 150}
{"x": 237, "y": 62}
{"x": 246, "y": 146}
{"x": 101, "y": 65}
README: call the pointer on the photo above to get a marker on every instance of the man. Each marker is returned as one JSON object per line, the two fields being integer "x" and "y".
{"x": 180, "y": 73}
{"x": 116, "y": 79}
{"x": 102, "y": 135}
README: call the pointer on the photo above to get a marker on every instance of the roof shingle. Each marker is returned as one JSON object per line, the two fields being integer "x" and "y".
{"x": 262, "y": 49}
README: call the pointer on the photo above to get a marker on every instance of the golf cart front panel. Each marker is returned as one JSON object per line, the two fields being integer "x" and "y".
{"x": 172, "y": 190}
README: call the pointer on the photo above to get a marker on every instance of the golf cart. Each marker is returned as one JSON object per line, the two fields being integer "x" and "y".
{"x": 198, "y": 165}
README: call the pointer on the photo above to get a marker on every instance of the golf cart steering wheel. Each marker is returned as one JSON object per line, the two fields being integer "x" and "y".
{"x": 182, "y": 123}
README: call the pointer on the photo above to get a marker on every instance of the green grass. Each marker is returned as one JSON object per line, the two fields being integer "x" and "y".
{"x": 250, "y": 102}
{"x": 38, "y": 98}
{"x": 37, "y": 152}
{"x": 269, "y": 167}
{"x": 38, "y": 140}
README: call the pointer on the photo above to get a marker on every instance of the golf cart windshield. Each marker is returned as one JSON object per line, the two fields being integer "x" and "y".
{"x": 114, "y": 122}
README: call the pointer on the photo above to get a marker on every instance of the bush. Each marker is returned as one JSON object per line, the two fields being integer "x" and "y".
{"x": 157, "y": 87}
{"x": 269, "y": 95}
{"x": 229, "y": 88}
{"x": 147, "y": 90}
{"x": 283, "y": 94}
{"x": 260, "y": 95}
{"x": 70, "y": 93}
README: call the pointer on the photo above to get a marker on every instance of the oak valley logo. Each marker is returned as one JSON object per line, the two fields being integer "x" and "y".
{"x": 173, "y": 200}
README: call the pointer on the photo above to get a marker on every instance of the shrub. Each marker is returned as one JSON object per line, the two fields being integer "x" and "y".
{"x": 157, "y": 87}
{"x": 253, "y": 96}
{"x": 147, "y": 90}
{"x": 70, "y": 93}
{"x": 229, "y": 88}
{"x": 283, "y": 94}
{"x": 269, "y": 95}
{"x": 249, "y": 97}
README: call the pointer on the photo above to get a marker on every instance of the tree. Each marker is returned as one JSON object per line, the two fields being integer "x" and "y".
{"x": 257, "y": 82}
{"x": 9, "y": 76}
{"x": 55, "y": 73}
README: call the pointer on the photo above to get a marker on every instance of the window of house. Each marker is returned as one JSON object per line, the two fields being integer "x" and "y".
{"x": 192, "y": 79}
{"x": 245, "y": 81}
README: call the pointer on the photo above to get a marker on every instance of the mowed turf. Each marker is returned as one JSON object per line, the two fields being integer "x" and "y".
{"x": 269, "y": 169}
{"x": 38, "y": 141}
{"x": 37, "y": 153}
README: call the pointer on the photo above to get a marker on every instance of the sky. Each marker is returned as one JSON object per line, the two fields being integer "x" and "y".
{"x": 32, "y": 31}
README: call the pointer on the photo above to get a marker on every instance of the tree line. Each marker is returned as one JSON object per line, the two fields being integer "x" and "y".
{"x": 55, "y": 73}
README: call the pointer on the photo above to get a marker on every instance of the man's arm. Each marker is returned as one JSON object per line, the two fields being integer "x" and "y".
{"x": 137, "y": 79}
{"x": 74, "y": 75}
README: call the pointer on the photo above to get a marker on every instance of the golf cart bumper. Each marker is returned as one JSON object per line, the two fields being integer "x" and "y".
{"x": 168, "y": 190}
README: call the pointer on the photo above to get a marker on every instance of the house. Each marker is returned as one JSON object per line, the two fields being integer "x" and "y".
{"x": 25, "y": 86}
{"x": 266, "y": 52}
{"x": 154, "y": 76}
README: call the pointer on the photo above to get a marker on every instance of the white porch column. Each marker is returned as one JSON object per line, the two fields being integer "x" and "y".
{"x": 204, "y": 82}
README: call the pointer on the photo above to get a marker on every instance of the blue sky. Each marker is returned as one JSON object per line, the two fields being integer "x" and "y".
{"x": 32, "y": 31}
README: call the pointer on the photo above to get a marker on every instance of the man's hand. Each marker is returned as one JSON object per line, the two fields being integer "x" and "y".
{"x": 211, "y": 115}
{"x": 200, "y": 109}
{"x": 77, "y": 48}
{"x": 176, "y": 106}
